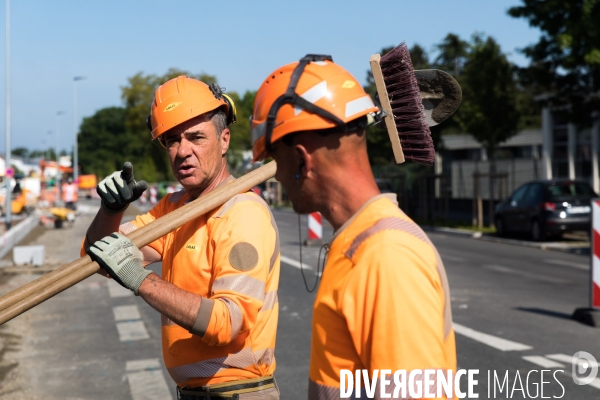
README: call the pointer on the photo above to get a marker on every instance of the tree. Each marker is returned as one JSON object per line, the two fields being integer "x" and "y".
{"x": 22, "y": 152}
{"x": 48, "y": 154}
{"x": 419, "y": 57}
{"x": 451, "y": 56}
{"x": 489, "y": 108}
{"x": 240, "y": 131}
{"x": 565, "y": 62}
{"x": 103, "y": 142}
{"x": 453, "y": 52}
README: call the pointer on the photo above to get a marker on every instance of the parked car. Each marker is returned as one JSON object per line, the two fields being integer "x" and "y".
{"x": 546, "y": 208}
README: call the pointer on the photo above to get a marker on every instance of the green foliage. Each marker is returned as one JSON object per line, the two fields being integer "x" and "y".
{"x": 453, "y": 52}
{"x": 565, "y": 62}
{"x": 20, "y": 152}
{"x": 103, "y": 142}
{"x": 489, "y": 108}
{"x": 419, "y": 57}
{"x": 117, "y": 134}
{"x": 495, "y": 103}
{"x": 48, "y": 154}
{"x": 240, "y": 131}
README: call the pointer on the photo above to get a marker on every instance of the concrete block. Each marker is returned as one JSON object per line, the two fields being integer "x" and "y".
{"x": 33, "y": 255}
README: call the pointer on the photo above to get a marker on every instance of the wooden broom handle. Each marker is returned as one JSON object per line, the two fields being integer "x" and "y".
{"x": 30, "y": 295}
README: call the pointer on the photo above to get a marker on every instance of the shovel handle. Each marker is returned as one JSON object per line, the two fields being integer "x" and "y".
{"x": 30, "y": 295}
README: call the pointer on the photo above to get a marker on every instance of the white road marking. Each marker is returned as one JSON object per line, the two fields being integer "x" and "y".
{"x": 568, "y": 359}
{"x": 492, "y": 341}
{"x": 294, "y": 263}
{"x": 595, "y": 383}
{"x": 539, "y": 277}
{"x": 569, "y": 264}
{"x": 146, "y": 380}
{"x": 543, "y": 362}
{"x": 126, "y": 313}
{"x": 116, "y": 290}
{"x": 132, "y": 330}
{"x": 139, "y": 365}
{"x": 283, "y": 223}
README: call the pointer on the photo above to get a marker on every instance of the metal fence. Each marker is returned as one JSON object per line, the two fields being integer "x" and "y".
{"x": 511, "y": 174}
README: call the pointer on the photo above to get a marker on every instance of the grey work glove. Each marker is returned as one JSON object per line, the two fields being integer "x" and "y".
{"x": 118, "y": 256}
{"x": 119, "y": 189}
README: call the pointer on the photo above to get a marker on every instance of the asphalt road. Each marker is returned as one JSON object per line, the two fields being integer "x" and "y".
{"x": 511, "y": 307}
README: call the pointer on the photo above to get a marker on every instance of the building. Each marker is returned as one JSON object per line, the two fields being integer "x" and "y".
{"x": 466, "y": 163}
{"x": 569, "y": 151}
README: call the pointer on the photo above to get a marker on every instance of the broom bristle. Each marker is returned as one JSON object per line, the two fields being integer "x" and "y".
{"x": 407, "y": 106}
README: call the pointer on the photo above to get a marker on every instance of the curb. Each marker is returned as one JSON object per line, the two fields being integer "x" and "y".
{"x": 453, "y": 231}
{"x": 568, "y": 247}
{"x": 15, "y": 234}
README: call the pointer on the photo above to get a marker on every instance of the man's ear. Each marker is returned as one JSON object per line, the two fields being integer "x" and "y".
{"x": 305, "y": 160}
{"x": 224, "y": 141}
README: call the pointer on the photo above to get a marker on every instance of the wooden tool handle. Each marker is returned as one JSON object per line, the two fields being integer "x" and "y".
{"x": 40, "y": 290}
{"x": 384, "y": 99}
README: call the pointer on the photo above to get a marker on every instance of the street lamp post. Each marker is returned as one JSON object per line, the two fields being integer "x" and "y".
{"x": 75, "y": 149}
{"x": 48, "y": 149}
{"x": 58, "y": 174}
{"x": 7, "y": 179}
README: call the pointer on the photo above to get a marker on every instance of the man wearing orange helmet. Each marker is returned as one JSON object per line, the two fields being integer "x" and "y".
{"x": 383, "y": 302}
{"x": 220, "y": 272}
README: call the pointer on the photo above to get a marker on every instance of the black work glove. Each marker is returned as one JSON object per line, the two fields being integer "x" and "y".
{"x": 119, "y": 189}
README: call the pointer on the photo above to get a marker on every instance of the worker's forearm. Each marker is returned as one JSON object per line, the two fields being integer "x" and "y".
{"x": 179, "y": 305}
{"x": 104, "y": 224}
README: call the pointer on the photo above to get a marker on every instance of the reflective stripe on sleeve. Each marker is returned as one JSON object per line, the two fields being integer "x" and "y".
{"x": 386, "y": 224}
{"x": 235, "y": 316}
{"x": 208, "y": 368}
{"x": 242, "y": 284}
{"x": 413, "y": 229}
{"x": 271, "y": 299}
{"x": 127, "y": 228}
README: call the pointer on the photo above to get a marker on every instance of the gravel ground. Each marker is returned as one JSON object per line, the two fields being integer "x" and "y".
{"x": 61, "y": 247}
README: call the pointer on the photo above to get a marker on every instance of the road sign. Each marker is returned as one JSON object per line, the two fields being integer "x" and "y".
{"x": 315, "y": 226}
{"x": 10, "y": 172}
{"x": 595, "y": 267}
{"x": 315, "y": 230}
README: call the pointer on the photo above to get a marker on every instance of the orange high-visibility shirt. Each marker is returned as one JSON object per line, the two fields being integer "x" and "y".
{"x": 69, "y": 192}
{"x": 230, "y": 257}
{"x": 383, "y": 302}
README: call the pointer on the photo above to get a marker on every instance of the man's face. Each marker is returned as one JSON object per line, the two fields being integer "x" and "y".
{"x": 288, "y": 163}
{"x": 195, "y": 152}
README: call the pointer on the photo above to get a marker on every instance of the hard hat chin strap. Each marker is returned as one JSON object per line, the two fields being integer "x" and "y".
{"x": 291, "y": 97}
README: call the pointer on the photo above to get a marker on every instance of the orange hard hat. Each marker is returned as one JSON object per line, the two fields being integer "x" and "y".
{"x": 314, "y": 93}
{"x": 182, "y": 99}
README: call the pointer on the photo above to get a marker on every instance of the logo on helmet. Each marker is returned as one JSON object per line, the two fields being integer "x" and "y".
{"x": 172, "y": 106}
{"x": 348, "y": 84}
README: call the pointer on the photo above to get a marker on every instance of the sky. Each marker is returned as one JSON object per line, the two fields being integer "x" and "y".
{"x": 240, "y": 42}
